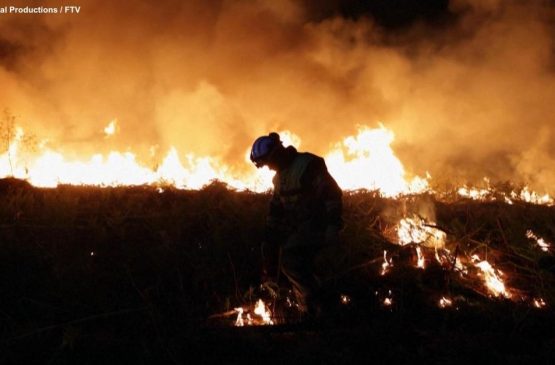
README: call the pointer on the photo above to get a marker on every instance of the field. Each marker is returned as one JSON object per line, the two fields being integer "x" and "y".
{"x": 150, "y": 274}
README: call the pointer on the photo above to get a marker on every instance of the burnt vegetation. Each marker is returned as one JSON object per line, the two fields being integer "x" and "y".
{"x": 136, "y": 275}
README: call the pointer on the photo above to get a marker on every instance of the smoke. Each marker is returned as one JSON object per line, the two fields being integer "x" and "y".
{"x": 468, "y": 93}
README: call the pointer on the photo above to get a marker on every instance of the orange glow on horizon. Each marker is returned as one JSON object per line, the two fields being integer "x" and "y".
{"x": 363, "y": 161}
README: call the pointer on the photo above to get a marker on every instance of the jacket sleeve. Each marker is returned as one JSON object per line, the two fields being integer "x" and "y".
{"x": 274, "y": 218}
{"x": 326, "y": 190}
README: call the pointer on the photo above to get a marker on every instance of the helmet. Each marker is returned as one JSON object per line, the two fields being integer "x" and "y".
{"x": 264, "y": 147}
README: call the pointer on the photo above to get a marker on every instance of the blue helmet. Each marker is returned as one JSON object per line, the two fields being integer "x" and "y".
{"x": 263, "y": 147}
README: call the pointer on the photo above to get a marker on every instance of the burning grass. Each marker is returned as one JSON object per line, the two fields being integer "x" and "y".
{"x": 83, "y": 264}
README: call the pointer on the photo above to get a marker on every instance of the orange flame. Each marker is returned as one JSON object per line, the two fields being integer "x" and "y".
{"x": 263, "y": 312}
{"x": 490, "y": 194}
{"x": 263, "y": 315}
{"x": 417, "y": 230}
{"x": 367, "y": 161}
{"x": 362, "y": 161}
{"x": 345, "y": 299}
{"x": 421, "y": 261}
{"x": 492, "y": 277}
{"x": 239, "y": 322}
{"x": 386, "y": 263}
{"x": 445, "y": 302}
{"x": 539, "y": 303}
{"x": 543, "y": 244}
{"x": 388, "y": 301}
{"x": 110, "y": 129}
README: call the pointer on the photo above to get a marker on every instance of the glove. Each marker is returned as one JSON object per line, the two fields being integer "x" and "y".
{"x": 332, "y": 236}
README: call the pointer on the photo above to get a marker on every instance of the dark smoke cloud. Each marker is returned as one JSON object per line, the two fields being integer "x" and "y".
{"x": 467, "y": 86}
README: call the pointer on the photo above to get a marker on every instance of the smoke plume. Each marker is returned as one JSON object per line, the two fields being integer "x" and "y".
{"x": 468, "y": 89}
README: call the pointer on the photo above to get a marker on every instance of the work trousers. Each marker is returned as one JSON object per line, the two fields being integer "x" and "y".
{"x": 298, "y": 253}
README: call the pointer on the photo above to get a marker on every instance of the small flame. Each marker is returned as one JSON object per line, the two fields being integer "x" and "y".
{"x": 534, "y": 198}
{"x": 110, "y": 129}
{"x": 492, "y": 277}
{"x": 543, "y": 244}
{"x": 491, "y": 194}
{"x": 263, "y": 315}
{"x": 388, "y": 301}
{"x": 421, "y": 262}
{"x": 386, "y": 263}
{"x": 417, "y": 230}
{"x": 445, "y": 302}
{"x": 345, "y": 299}
{"x": 460, "y": 266}
{"x": 474, "y": 193}
{"x": 239, "y": 322}
{"x": 539, "y": 303}
{"x": 263, "y": 312}
{"x": 508, "y": 201}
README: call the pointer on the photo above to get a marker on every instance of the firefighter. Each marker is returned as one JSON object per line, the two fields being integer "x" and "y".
{"x": 304, "y": 216}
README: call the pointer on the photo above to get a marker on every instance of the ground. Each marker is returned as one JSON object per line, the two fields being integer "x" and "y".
{"x": 136, "y": 275}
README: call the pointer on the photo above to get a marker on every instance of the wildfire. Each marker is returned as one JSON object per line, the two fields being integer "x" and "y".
{"x": 492, "y": 277}
{"x": 363, "y": 161}
{"x": 543, "y": 244}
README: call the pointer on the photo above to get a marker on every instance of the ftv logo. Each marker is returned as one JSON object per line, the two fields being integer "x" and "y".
{"x": 72, "y": 9}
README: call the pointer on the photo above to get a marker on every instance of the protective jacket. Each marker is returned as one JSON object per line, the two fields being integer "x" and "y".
{"x": 305, "y": 195}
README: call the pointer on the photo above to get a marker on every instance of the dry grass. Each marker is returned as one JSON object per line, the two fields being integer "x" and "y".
{"x": 132, "y": 267}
